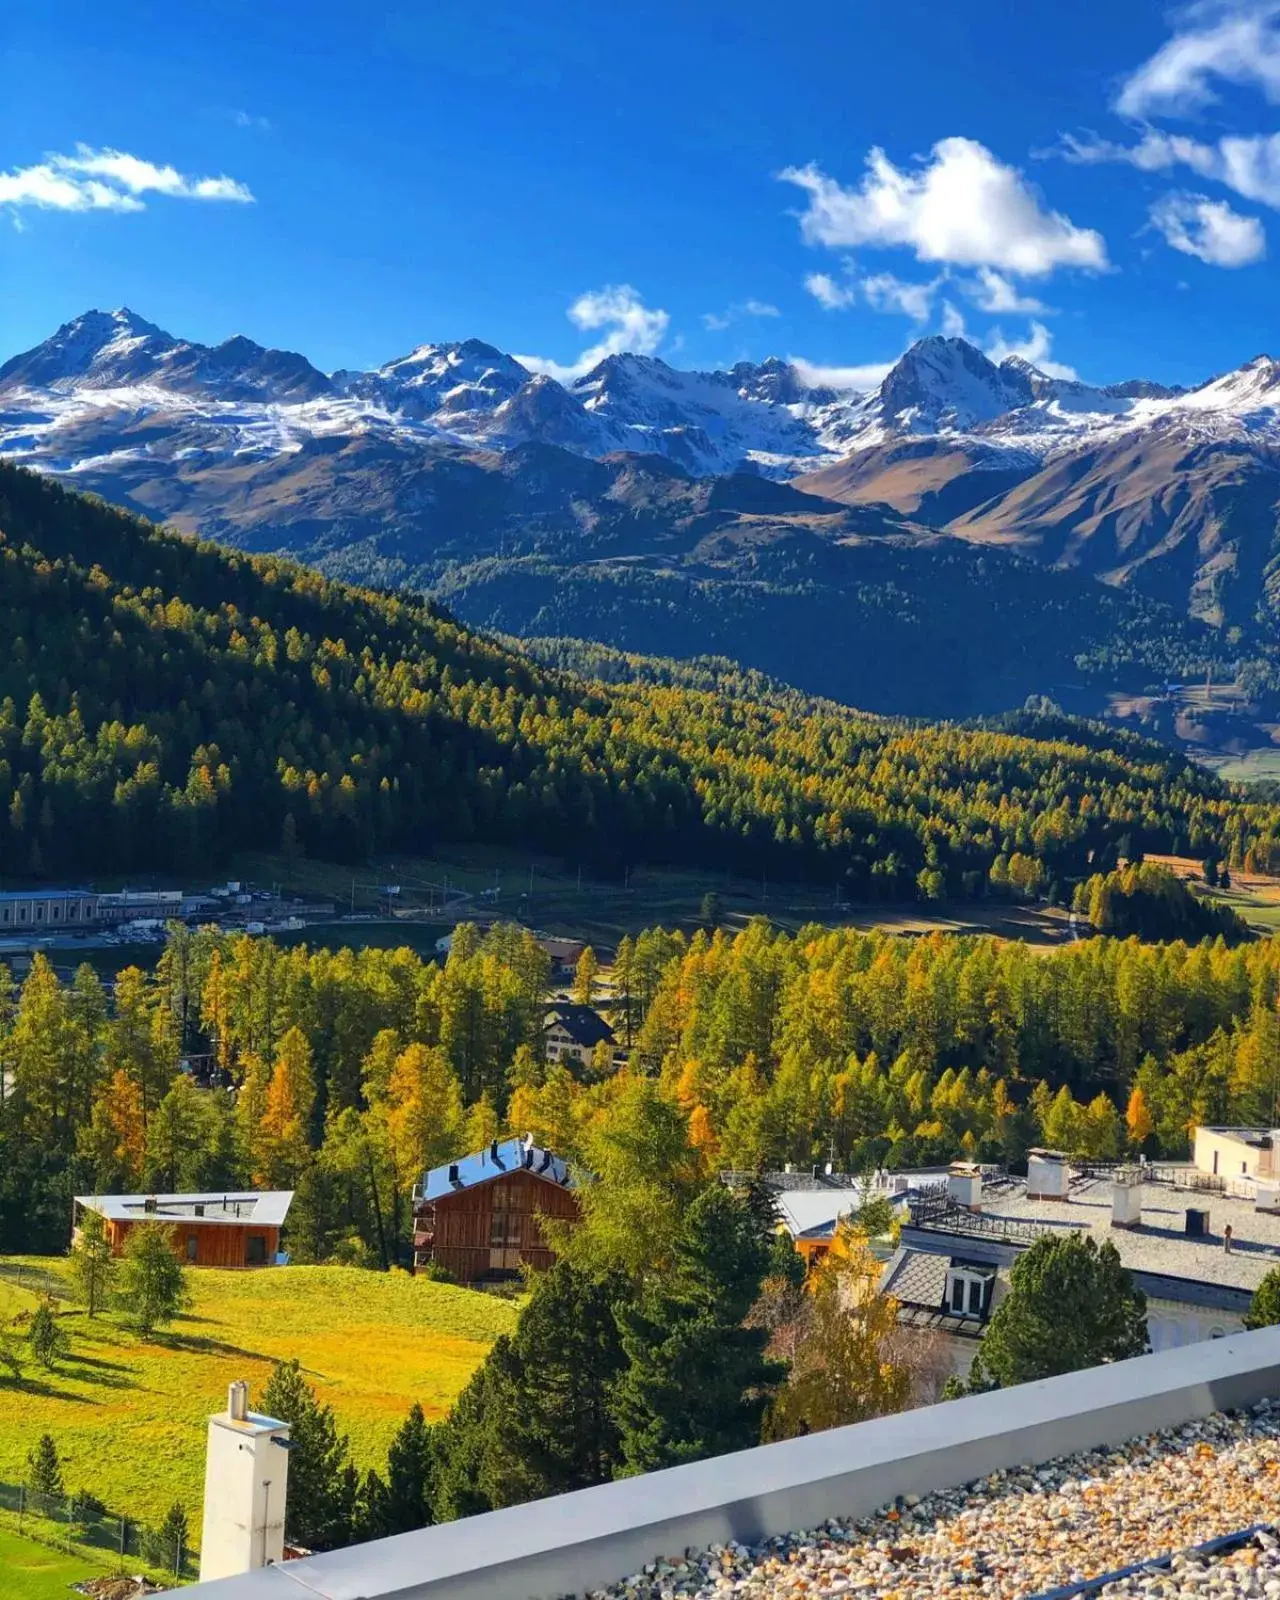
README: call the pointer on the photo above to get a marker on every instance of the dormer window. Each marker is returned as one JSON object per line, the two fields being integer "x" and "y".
{"x": 967, "y": 1292}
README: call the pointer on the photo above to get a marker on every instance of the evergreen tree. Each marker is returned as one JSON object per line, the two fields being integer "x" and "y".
{"x": 322, "y": 1485}
{"x": 403, "y": 1505}
{"x": 697, "y": 1383}
{"x": 1264, "y": 1309}
{"x": 151, "y": 1281}
{"x": 48, "y": 1342}
{"x": 92, "y": 1265}
{"x": 44, "y": 1470}
{"x": 168, "y": 1545}
{"x": 1071, "y": 1304}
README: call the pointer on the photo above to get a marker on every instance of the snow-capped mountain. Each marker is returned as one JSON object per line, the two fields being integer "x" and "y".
{"x": 1172, "y": 490}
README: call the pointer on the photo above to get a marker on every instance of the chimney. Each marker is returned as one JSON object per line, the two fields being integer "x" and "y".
{"x": 964, "y": 1185}
{"x": 1269, "y": 1160}
{"x": 545, "y": 1162}
{"x": 149, "y": 1204}
{"x": 1126, "y": 1198}
{"x": 493, "y": 1151}
{"x": 245, "y": 1485}
{"x": 528, "y": 1157}
{"x": 453, "y": 1172}
{"x": 1048, "y": 1175}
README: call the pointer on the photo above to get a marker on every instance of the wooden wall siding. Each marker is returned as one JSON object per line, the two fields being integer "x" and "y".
{"x": 493, "y": 1228}
{"x": 217, "y": 1244}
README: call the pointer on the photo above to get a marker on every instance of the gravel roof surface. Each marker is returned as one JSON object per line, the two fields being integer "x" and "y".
{"x": 1016, "y": 1533}
{"x": 1250, "y": 1571}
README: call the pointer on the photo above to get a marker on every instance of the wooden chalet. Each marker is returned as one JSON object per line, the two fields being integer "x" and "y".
{"x": 205, "y": 1230}
{"x": 478, "y": 1217}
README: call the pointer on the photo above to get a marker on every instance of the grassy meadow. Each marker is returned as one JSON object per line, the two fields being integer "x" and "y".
{"x": 31, "y": 1571}
{"x": 128, "y": 1415}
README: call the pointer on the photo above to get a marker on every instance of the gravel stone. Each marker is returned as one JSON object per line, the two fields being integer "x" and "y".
{"x": 1027, "y": 1529}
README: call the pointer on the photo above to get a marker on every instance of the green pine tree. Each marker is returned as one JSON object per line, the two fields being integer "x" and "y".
{"x": 168, "y": 1545}
{"x": 323, "y": 1486}
{"x": 152, "y": 1283}
{"x": 1264, "y": 1309}
{"x": 404, "y": 1503}
{"x": 44, "y": 1470}
{"x": 48, "y": 1342}
{"x": 1071, "y": 1304}
{"x": 698, "y": 1382}
{"x": 92, "y": 1266}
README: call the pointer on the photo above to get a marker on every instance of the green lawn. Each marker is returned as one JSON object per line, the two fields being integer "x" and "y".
{"x": 128, "y": 1416}
{"x": 30, "y": 1571}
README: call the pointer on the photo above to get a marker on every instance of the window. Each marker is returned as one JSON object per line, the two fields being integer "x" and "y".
{"x": 966, "y": 1294}
{"x": 193, "y": 1247}
{"x": 957, "y": 1294}
{"x": 975, "y": 1296}
{"x": 255, "y": 1251}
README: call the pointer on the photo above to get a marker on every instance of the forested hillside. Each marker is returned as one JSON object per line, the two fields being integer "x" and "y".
{"x": 355, "y": 1071}
{"x": 163, "y": 702}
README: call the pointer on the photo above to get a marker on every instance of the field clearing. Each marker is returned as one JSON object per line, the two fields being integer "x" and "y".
{"x": 31, "y": 1571}
{"x": 540, "y": 892}
{"x": 1255, "y": 896}
{"x": 128, "y": 1415}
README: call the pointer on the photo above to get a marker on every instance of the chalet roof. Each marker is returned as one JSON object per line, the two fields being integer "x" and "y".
{"x": 584, "y": 1025}
{"x": 497, "y": 1161}
{"x": 225, "y": 1207}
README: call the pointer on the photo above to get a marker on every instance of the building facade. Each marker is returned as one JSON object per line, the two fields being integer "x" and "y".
{"x": 480, "y": 1217}
{"x": 205, "y": 1230}
{"x": 27, "y": 911}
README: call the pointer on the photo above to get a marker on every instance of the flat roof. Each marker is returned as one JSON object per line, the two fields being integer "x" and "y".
{"x": 48, "y": 894}
{"x": 225, "y": 1207}
{"x": 1160, "y": 1242}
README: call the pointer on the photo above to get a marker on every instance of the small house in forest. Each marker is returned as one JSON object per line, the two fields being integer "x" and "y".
{"x": 572, "y": 1032}
{"x": 479, "y": 1217}
{"x": 206, "y": 1230}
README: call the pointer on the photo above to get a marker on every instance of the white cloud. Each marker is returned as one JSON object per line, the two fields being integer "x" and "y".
{"x": 1224, "y": 40}
{"x": 992, "y": 292}
{"x": 1249, "y": 165}
{"x": 107, "y": 180}
{"x": 964, "y": 207}
{"x": 1036, "y": 348}
{"x": 1209, "y": 230}
{"x": 952, "y": 322}
{"x": 630, "y": 323}
{"x": 884, "y": 292}
{"x": 718, "y": 321}
{"x": 829, "y": 294}
{"x": 856, "y": 379}
{"x": 246, "y": 119}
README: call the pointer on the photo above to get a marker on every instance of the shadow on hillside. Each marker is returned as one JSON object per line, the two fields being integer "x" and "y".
{"x": 106, "y": 1374}
{"x": 201, "y": 1344}
{"x": 47, "y": 1390}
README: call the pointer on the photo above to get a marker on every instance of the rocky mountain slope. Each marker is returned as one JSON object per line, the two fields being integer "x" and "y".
{"x": 454, "y": 467}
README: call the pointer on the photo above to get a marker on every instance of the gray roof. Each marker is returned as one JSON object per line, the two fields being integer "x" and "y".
{"x": 46, "y": 894}
{"x": 225, "y": 1206}
{"x": 917, "y": 1278}
{"x": 1159, "y": 1246}
{"x": 583, "y": 1024}
{"x": 509, "y": 1155}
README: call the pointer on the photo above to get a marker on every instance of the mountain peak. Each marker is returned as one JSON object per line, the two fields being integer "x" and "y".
{"x": 943, "y": 384}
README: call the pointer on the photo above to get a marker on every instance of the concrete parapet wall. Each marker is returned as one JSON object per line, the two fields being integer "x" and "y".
{"x": 586, "y": 1540}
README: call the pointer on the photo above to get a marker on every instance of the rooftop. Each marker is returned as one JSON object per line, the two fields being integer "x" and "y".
{"x": 1159, "y": 1244}
{"x": 500, "y": 1158}
{"x": 9, "y": 895}
{"x": 583, "y": 1024}
{"x": 264, "y": 1206}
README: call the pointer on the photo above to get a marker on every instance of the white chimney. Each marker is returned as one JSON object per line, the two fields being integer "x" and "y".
{"x": 1126, "y": 1198}
{"x": 1048, "y": 1175}
{"x": 1269, "y": 1160}
{"x": 246, "y": 1479}
{"x": 964, "y": 1185}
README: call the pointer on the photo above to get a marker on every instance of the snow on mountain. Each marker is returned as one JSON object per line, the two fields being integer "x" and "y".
{"x": 113, "y": 350}
{"x": 110, "y": 382}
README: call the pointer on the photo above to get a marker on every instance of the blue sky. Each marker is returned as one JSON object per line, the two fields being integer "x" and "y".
{"x": 1094, "y": 184}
